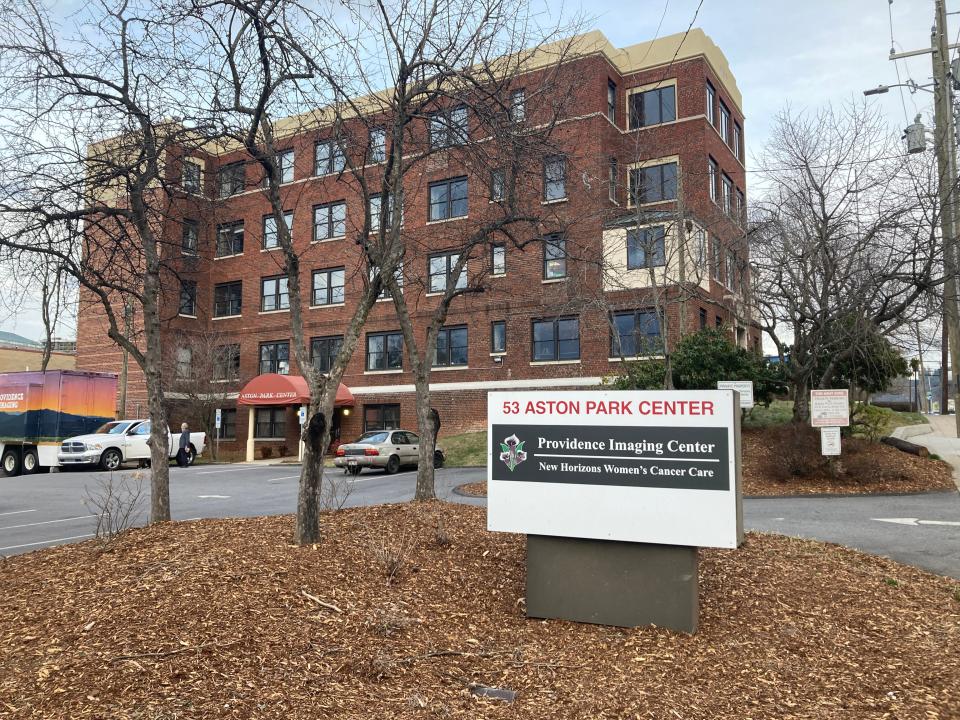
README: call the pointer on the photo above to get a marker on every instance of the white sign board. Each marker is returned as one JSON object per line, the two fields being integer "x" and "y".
{"x": 302, "y": 414}
{"x": 829, "y": 441}
{"x": 829, "y": 408}
{"x": 635, "y": 466}
{"x": 219, "y": 418}
{"x": 744, "y": 387}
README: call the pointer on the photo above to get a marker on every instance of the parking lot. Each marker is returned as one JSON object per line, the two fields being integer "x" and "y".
{"x": 41, "y": 510}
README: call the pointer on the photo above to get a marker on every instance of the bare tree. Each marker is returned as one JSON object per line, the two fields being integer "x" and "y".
{"x": 844, "y": 241}
{"x": 87, "y": 145}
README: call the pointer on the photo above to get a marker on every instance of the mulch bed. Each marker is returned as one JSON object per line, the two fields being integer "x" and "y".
{"x": 787, "y": 461}
{"x": 402, "y": 609}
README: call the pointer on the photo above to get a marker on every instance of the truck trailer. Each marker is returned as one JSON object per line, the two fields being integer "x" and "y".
{"x": 38, "y": 410}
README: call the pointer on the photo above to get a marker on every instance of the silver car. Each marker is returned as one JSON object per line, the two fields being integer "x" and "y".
{"x": 384, "y": 449}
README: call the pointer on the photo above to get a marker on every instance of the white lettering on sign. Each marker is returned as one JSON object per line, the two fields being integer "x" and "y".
{"x": 634, "y": 466}
{"x": 829, "y": 408}
{"x": 744, "y": 387}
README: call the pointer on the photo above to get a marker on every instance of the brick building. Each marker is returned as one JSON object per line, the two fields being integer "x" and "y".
{"x": 650, "y": 160}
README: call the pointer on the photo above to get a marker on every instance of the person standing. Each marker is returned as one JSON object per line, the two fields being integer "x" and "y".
{"x": 183, "y": 454}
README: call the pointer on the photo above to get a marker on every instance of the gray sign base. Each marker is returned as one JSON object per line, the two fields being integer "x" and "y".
{"x": 612, "y": 583}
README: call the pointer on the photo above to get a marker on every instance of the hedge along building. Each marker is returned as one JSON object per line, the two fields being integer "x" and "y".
{"x": 649, "y": 164}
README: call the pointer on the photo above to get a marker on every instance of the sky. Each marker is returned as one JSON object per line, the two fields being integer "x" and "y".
{"x": 807, "y": 54}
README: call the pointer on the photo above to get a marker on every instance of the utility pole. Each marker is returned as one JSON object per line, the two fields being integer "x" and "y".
{"x": 945, "y": 145}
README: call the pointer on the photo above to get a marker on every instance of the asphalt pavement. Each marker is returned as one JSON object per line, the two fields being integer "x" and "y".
{"x": 37, "y": 511}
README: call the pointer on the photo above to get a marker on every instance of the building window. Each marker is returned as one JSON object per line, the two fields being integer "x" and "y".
{"x": 731, "y": 270}
{"x": 612, "y": 180}
{"x": 716, "y": 259}
{"x": 635, "y": 333}
{"x": 190, "y": 178}
{"x": 378, "y": 145}
{"x": 451, "y": 347}
{"x": 718, "y": 322}
{"x": 440, "y": 270}
{"x": 271, "y": 423}
{"x": 226, "y": 362}
{"x": 449, "y": 127}
{"x": 612, "y": 101}
{"x": 271, "y": 238}
{"x": 191, "y": 235}
{"x": 285, "y": 165}
{"x": 737, "y": 141}
{"x": 741, "y": 208}
{"x": 330, "y": 221}
{"x": 554, "y": 178}
{"x": 228, "y": 299}
{"x": 232, "y": 179}
{"x": 518, "y": 105}
{"x": 324, "y": 350}
{"x": 230, "y": 239}
{"x": 328, "y": 157}
{"x": 727, "y": 185}
{"x": 724, "y": 123}
{"x": 188, "y": 298}
{"x": 703, "y": 318}
{"x": 653, "y": 183}
{"x": 275, "y": 358}
{"x": 498, "y": 260}
{"x": 711, "y": 104}
{"x": 381, "y": 417}
{"x": 498, "y": 185}
{"x": 397, "y": 276}
{"x": 448, "y": 199}
{"x": 712, "y": 172}
{"x": 327, "y": 286}
{"x": 498, "y": 336}
{"x": 653, "y": 107}
{"x": 556, "y": 339}
{"x": 646, "y": 245}
{"x": 184, "y": 364}
{"x": 376, "y": 205}
{"x": 554, "y": 257}
{"x": 228, "y": 424}
{"x": 384, "y": 351}
{"x": 274, "y": 294}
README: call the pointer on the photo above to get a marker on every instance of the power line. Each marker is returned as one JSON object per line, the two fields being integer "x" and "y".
{"x": 896, "y": 65}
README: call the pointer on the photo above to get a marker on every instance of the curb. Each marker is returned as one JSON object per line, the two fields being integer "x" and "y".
{"x": 908, "y": 431}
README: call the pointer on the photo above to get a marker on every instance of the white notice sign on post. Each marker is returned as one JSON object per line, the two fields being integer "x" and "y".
{"x": 219, "y": 418}
{"x": 829, "y": 408}
{"x": 744, "y": 387}
{"x": 829, "y": 441}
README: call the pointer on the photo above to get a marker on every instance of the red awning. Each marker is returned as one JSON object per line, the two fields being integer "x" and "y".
{"x": 274, "y": 389}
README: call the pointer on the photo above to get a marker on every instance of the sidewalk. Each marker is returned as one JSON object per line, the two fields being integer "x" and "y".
{"x": 939, "y": 437}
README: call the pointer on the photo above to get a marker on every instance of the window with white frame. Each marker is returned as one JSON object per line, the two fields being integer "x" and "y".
{"x": 737, "y": 141}
{"x": 554, "y": 178}
{"x": 188, "y": 298}
{"x": 270, "y": 423}
{"x": 324, "y": 350}
{"x": 451, "y": 347}
{"x": 449, "y": 127}
{"x": 275, "y": 358}
{"x": 230, "y": 239}
{"x": 378, "y": 145}
{"x": 330, "y": 221}
{"x": 498, "y": 337}
{"x": 376, "y": 206}
{"x": 271, "y": 238}
{"x": 190, "y": 241}
{"x": 711, "y": 104}
{"x": 448, "y": 199}
{"x": 498, "y": 260}
{"x": 228, "y": 299}
{"x": 726, "y": 185}
{"x": 554, "y": 256}
{"x": 384, "y": 351}
{"x": 646, "y": 247}
{"x": 713, "y": 171}
{"x": 328, "y": 157}
{"x": 285, "y": 165}
{"x": 724, "y": 123}
{"x": 274, "y": 294}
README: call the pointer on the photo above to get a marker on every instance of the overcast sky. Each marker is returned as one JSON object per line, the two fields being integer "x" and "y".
{"x": 807, "y": 53}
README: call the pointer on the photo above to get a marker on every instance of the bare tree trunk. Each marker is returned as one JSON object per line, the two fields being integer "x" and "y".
{"x": 428, "y": 438}
{"x": 45, "y": 315}
{"x": 801, "y": 401}
{"x": 159, "y": 430}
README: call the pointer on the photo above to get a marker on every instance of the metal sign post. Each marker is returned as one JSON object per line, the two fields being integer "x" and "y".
{"x": 615, "y": 491}
{"x": 219, "y": 420}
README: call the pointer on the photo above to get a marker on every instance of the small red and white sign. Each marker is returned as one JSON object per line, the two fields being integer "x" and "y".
{"x": 829, "y": 408}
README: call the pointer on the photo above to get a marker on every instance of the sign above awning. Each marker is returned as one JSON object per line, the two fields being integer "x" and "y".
{"x": 275, "y": 389}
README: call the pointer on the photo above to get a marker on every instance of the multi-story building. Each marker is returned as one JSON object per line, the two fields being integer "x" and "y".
{"x": 650, "y": 159}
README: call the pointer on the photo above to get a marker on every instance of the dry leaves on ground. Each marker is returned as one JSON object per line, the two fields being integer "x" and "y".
{"x": 228, "y": 619}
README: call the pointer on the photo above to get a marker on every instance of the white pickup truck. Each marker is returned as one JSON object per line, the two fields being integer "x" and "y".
{"x": 120, "y": 441}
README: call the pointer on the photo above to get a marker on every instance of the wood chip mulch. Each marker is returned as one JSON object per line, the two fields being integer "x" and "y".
{"x": 402, "y": 610}
{"x": 787, "y": 461}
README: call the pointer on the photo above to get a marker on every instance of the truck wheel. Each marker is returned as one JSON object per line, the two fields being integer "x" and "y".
{"x": 438, "y": 460}
{"x": 393, "y": 464}
{"x": 10, "y": 462}
{"x": 31, "y": 462}
{"x": 111, "y": 459}
{"x": 191, "y": 455}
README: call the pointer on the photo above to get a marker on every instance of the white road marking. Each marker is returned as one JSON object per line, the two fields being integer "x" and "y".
{"x": 16, "y": 512}
{"x": 915, "y": 521}
{"x": 47, "y": 522}
{"x": 46, "y": 542}
{"x": 214, "y": 497}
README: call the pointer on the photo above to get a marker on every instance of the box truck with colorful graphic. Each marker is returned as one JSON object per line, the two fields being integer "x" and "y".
{"x": 38, "y": 410}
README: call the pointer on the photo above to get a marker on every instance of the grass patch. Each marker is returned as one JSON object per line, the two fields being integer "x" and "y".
{"x": 466, "y": 449}
{"x": 780, "y": 412}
